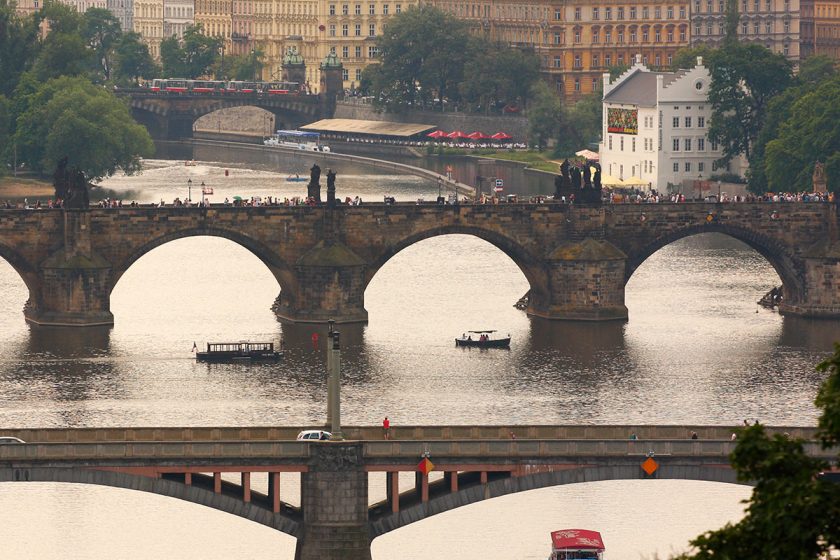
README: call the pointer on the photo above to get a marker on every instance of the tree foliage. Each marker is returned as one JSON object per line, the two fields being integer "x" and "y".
{"x": 793, "y": 513}
{"x": 496, "y": 73}
{"x": 545, "y": 116}
{"x": 18, "y": 46}
{"x": 132, "y": 59}
{"x": 192, "y": 57}
{"x": 101, "y": 30}
{"x": 744, "y": 79}
{"x": 686, "y": 57}
{"x": 70, "y": 117}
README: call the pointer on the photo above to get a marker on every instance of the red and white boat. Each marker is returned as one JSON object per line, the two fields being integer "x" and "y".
{"x": 576, "y": 544}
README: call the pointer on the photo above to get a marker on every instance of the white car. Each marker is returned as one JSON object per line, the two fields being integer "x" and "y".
{"x": 314, "y": 434}
{"x": 4, "y": 440}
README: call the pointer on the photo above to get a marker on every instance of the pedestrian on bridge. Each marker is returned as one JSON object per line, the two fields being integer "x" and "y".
{"x": 386, "y": 428}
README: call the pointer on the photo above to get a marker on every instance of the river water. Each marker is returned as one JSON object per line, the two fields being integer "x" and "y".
{"x": 697, "y": 349}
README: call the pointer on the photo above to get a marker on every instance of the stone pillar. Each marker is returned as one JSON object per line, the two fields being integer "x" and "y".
{"x": 334, "y": 496}
{"x": 75, "y": 282}
{"x": 820, "y": 296}
{"x": 586, "y": 283}
{"x": 331, "y": 285}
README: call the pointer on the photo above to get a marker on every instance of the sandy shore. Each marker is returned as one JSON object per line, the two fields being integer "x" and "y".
{"x": 18, "y": 187}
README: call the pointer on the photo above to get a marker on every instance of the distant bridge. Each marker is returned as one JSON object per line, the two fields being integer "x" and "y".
{"x": 576, "y": 258}
{"x": 171, "y": 117}
{"x": 334, "y": 520}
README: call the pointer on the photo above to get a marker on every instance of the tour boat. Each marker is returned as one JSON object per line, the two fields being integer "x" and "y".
{"x": 238, "y": 351}
{"x": 482, "y": 339}
{"x": 576, "y": 544}
{"x": 296, "y": 179}
{"x": 297, "y": 139}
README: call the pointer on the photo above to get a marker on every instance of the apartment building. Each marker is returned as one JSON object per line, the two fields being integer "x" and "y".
{"x": 177, "y": 16}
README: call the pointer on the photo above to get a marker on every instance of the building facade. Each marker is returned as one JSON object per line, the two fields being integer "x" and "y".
{"x": 772, "y": 23}
{"x": 655, "y": 126}
{"x": 148, "y": 22}
{"x": 177, "y": 16}
{"x": 827, "y": 28}
{"x": 123, "y": 10}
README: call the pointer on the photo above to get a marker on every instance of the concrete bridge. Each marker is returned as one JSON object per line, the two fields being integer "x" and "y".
{"x": 334, "y": 519}
{"x": 576, "y": 258}
{"x": 171, "y": 117}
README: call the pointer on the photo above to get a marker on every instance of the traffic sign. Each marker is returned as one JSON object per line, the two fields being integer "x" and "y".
{"x": 500, "y": 182}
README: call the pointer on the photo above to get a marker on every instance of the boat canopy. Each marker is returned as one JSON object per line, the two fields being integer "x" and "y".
{"x": 481, "y": 332}
{"x": 299, "y": 134}
{"x": 577, "y": 539}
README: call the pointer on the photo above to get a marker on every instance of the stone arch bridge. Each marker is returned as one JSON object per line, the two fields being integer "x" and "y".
{"x": 171, "y": 117}
{"x": 577, "y": 259}
{"x": 334, "y": 519}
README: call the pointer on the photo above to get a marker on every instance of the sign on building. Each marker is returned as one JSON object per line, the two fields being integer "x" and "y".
{"x": 623, "y": 121}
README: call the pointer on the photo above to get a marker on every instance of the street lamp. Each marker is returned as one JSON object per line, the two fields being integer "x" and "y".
{"x": 700, "y": 186}
{"x": 718, "y": 191}
{"x": 189, "y": 190}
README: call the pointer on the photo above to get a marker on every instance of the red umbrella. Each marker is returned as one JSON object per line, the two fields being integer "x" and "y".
{"x": 457, "y": 134}
{"x": 477, "y": 135}
{"x": 437, "y": 134}
{"x": 501, "y": 136}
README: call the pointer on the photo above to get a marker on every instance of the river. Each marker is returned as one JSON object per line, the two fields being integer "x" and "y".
{"x": 697, "y": 349}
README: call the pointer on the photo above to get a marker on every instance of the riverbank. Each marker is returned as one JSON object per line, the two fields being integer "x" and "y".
{"x": 22, "y": 187}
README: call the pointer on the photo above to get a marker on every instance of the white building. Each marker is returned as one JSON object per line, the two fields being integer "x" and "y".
{"x": 177, "y": 16}
{"x": 655, "y": 127}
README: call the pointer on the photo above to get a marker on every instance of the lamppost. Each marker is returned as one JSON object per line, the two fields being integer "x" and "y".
{"x": 189, "y": 190}
{"x": 718, "y": 191}
{"x": 700, "y": 186}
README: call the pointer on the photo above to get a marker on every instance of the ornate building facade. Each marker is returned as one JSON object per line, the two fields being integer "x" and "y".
{"x": 148, "y": 22}
{"x": 177, "y": 16}
{"x": 827, "y": 28}
{"x": 772, "y": 23}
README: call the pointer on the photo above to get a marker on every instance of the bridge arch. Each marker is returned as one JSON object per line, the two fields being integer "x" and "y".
{"x": 525, "y": 260}
{"x": 281, "y": 271}
{"x": 170, "y": 488}
{"x": 789, "y": 269}
{"x": 511, "y": 485}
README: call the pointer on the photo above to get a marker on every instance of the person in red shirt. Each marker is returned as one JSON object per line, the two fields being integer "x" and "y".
{"x": 386, "y": 428}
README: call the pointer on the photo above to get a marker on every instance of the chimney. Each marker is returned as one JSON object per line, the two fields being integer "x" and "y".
{"x": 699, "y": 61}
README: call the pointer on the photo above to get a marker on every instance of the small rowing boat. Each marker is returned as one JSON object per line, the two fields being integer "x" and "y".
{"x": 482, "y": 339}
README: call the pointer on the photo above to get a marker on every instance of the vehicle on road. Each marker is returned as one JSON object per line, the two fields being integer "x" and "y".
{"x": 10, "y": 440}
{"x": 314, "y": 434}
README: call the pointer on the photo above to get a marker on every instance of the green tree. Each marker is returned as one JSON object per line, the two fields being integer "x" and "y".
{"x": 496, "y": 73}
{"x": 745, "y": 77}
{"x": 250, "y": 66}
{"x": 545, "y": 116}
{"x": 62, "y": 54}
{"x": 70, "y": 117}
{"x": 793, "y": 513}
{"x": 101, "y": 30}
{"x": 422, "y": 53}
{"x": 18, "y": 46}
{"x": 132, "y": 59}
{"x": 5, "y": 131}
{"x": 192, "y": 57}
{"x": 686, "y": 57}
{"x": 810, "y": 134}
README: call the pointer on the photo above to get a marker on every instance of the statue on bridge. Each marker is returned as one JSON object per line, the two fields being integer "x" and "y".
{"x": 819, "y": 177}
{"x": 70, "y": 185}
{"x": 330, "y": 187}
{"x": 313, "y": 191}
{"x": 562, "y": 182}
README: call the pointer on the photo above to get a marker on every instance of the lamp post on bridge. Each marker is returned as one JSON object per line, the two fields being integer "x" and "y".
{"x": 189, "y": 190}
{"x": 334, "y": 382}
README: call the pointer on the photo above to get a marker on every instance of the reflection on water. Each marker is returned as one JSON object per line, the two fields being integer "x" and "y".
{"x": 697, "y": 349}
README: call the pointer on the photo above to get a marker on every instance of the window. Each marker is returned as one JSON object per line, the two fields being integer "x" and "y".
{"x": 620, "y": 60}
{"x": 345, "y": 52}
{"x": 609, "y": 141}
{"x": 697, "y": 29}
{"x": 607, "y": 60}
{"x": 688, "y": 122}
{"x": 332, "y": 30}
{"x": 767, "y": 27}
{"x": 345, "y": 75}
{"x": 557, "y": 63}
{"x": 786, "y": 50}
{"x": 755, "y": 28}
{"x": 657, "y": 38}
{"x": 332, "y": 9}
{"x": 345, "y": 9}
{"x": 657, "y": 59}
{"x": 787, "y": 26}
{"x": 676, "y": 144}
{"x": 633, "y": 145}
{"x": 755, "y": 5}
{"x": 620, "y": 14}
{"x": 670, "y": 35}
{"x": 696, "y": 6}
{"x": 607, "y": 37}
{"x": 372, "y": 52}
{"x": 558, "y": 14}
{"x": 657, "y": 13}
{"x": 372, "y": 9}
{"x": 701, "y": 122}
{"x": 577, "y": 61}
{"x": 595, "y": 61}
{"x": 688, "y": 144}
{"x": 577, "y": 84}
{"x": 621, "y": 36}
{"x": 358, "y": 9}
{"x": 708, "y": 29}
{"x": 714, "y": 145}
{"x": 358, "y": 52}
{"x": 384, "y": 9}
{"x": 344, "y": 32}
{"x": 645, "y": 12}
{"x": 558, "y": 39}
{"x": 398, "y": 8}
{"x": 709, "y": 7}
{"x": 682, "y": 12}
{"x": 594, "y": 84}
{"x": 621, "y": 144}
{"x": 688, "y": 167}
{"x": 607, "y": 13}
{"x": 743, "y": 29}
{"x": 676, "y": 167}
{"x": 701, "y": 145}
{"x": 372, "y": 30}
{"x": 676, "y": 123}
{"x": 670, "y": 60}
{"x": 645, "y": 36}
{"x": 701, "y": 167}
{"x": 633, "y": 35}
{"x": 577, "y": 35}
{"x": 720, "y": 7}
{"x": 670, "y": 12}
{"x": 632, "y": 12}
{"x": 596, "y": 36}
{"x": 577, "y": 14}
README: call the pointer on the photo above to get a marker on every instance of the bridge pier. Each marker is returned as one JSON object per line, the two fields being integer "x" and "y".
{"x": 820, "y": 297}
{"x": 330, "y": 286}
{"x": 585, "y": 283}
{"x": 75, "y": 282}
{"x": 334, "y": 495}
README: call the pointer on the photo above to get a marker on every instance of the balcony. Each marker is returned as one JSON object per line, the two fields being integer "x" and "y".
{"x": 239, "y": 37}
